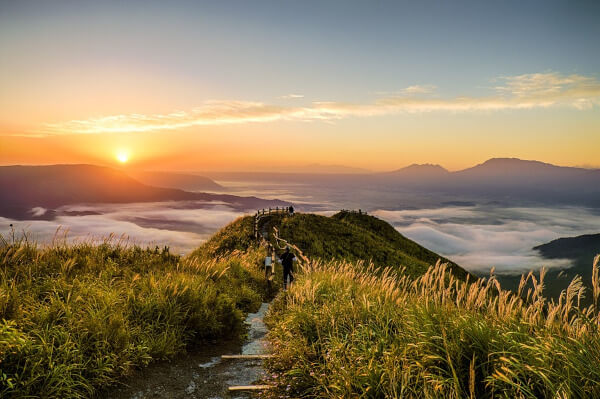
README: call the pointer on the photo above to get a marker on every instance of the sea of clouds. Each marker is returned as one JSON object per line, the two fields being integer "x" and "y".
{"x": 476, "y": 237}
{"x": 481, "y": 237}
{"x": 146, "y": 224}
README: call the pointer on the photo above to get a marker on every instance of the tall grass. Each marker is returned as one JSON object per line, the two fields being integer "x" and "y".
{"x": 340, "y": 332}
{"x": 75, "y": 318}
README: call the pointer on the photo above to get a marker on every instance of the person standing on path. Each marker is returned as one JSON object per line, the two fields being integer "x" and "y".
{"x": 287, "y": 260}
{"x": 269, "y": 260}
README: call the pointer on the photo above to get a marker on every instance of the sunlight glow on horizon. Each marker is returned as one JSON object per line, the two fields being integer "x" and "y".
{"x": 194, "y": 86}
{"x": 122, "y": 156}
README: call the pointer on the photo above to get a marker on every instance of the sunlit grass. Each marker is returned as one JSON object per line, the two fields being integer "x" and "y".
{"x": 341, "y": 332}
{"x": 76, "y": 318}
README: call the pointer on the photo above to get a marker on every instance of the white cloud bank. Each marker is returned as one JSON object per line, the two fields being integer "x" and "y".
{"x": 477, "y": 238}
{"x": 529, "y": 91}
{"x": 480, "y": 238}
{"x": 144, "y": 224}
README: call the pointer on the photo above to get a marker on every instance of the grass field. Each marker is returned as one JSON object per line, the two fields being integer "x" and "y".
{"x": 341, "y": 332}
{"x": 75, "y": 318}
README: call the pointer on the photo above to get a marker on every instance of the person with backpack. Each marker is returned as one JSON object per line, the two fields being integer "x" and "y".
{"x": 287, "y": 260}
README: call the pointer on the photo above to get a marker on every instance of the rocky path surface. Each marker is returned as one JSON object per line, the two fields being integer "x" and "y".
{"x": 202, "y": 374}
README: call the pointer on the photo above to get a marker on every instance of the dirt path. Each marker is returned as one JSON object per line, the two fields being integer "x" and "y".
{"x": 202, "y": 374}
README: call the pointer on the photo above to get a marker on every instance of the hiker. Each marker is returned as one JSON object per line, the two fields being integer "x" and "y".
{"x": 287, "y": 260}
{"x": 269, "y": 266}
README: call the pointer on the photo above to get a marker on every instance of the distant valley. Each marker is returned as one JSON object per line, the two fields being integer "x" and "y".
{"x": 501, "y": 181}
{"x": 36, "y": 192}
{"x": 490, "y": 215}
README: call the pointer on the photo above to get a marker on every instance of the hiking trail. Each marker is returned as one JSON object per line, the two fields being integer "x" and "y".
{"x": 203, "y": 374}
{"x": 224, "y": 370}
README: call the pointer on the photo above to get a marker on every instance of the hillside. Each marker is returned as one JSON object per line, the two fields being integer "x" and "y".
{"x": 181, "y": 181}
{"x": 581, "y": 250}
{"x": 416, "y": 171}
{"x": 346, "y": 236}
{"x": 585, "y": 246}
{"x": 25, "y": 187}
{"x": 77, "y": 319}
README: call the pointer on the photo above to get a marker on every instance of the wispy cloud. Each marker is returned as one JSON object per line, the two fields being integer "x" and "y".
{"x": 292, "y": 96}
{"x": 520, "y": 92}
{"x": 418, "y": 89}
{"x": 408, "y": 91}
{"x": 580, "y": 91}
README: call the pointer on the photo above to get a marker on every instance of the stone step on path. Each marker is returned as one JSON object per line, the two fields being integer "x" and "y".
{"x": 254, "y": 349}
{"x": 246, "y": 356}
{"x": 250, "y": 387}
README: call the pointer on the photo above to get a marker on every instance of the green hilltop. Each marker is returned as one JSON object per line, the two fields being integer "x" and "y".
{"x": 347, "y": 235}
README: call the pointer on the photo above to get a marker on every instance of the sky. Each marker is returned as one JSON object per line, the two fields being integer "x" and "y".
{"x": 261, "y": 85}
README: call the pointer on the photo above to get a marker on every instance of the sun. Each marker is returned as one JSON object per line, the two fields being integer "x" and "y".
{"x": 122, "y": 156}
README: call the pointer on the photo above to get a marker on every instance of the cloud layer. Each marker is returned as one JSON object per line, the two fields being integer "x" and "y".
{"x": 480, "y": 238}
{"x": 477, "y": 237}
{"x": 145, "y": 224}
{"x": 529, "y": 91}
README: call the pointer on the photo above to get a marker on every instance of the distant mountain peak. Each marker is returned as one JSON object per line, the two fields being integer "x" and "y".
{"x": 514, "y": 161}
{"x": 416, "y": 169}
{"x": 520, "y": 170}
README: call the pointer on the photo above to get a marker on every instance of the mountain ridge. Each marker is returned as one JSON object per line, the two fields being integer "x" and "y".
{"x": 52, "y": 186}
{"x": 344, "y": 236}
{"x": 182, "y": 181}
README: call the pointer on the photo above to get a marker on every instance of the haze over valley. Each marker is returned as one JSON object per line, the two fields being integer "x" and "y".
{"x": 481, "y": 217}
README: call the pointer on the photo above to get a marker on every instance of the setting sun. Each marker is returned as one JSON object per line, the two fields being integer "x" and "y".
{"x": 122, "y": 156}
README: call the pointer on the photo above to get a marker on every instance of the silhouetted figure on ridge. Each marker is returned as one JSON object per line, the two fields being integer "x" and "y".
{"x": 287, "y": 260}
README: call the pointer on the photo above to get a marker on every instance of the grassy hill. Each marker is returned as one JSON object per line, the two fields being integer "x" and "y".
{"x": 75, "y": 319}
{"x": 347, "y": 236}
{"x": 351, "y": 236}
{"x": 581, "y": 250}
{"x": 340, "y": 332}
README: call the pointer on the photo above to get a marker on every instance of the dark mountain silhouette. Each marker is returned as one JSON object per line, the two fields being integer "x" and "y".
{"x": 420, "y": 171}
{"x": 415, "y": 176}
{"x": 25, "y": 187}
{"x": 580, "y": 250}
{"x": 183, "y": 181}
{"x": 587, "y": 246}
{"x": 515, "y": 171}
{"x": 508, "y": 180}
{"x": 498, "y": 181}
{"x": 497, "y": 171}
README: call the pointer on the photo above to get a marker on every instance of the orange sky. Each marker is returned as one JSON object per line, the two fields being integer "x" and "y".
{"x": 201, "y": 87}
